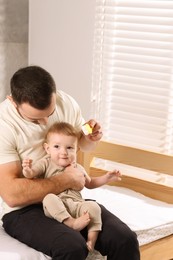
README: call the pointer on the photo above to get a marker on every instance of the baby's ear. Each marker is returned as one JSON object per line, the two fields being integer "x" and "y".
{"x": 46, "y": 147}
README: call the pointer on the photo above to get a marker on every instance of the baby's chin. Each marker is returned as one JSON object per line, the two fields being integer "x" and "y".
{"x": 64, "y": 164}
{"x": 61, "y": 164}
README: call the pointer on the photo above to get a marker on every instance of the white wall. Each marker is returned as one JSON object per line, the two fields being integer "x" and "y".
{"x": 61, "y": 41}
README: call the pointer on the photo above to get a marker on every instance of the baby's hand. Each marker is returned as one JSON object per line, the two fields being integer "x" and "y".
{"x": 114, "y": 175}
{"x": 27, "y": 165}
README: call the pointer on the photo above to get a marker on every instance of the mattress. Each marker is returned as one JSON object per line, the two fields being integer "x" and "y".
{"x": 149, "y": 218}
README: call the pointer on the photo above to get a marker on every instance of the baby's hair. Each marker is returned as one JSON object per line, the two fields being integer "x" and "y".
{"x": 63, "y": 128}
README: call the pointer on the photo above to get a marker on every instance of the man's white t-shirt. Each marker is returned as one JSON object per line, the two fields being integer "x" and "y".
{"x": 21, "y": 139}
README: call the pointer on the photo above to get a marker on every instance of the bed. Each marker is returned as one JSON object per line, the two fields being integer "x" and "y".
{"x": 145, "y": 194}
{"x": 143, "y": 200}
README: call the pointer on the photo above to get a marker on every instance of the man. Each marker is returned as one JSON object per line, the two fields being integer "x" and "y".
{"x": 25, "y": 116}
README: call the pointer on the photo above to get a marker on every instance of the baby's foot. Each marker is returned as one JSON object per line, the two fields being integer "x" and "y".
{"x": 78, "y": 223}
{"x": 92, "y": 237}
{"x": 90, "y": 245}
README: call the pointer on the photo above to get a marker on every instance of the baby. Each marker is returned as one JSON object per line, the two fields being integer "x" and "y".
{"x": 68, "y": 207}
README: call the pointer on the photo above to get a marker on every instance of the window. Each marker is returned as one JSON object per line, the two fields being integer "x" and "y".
{"x": 132, "y": 86}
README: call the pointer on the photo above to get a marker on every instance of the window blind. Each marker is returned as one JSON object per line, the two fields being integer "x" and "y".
{"x": 132, "y": 86}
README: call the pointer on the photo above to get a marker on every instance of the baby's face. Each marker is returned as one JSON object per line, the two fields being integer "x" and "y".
{"x": 62, "y": 149}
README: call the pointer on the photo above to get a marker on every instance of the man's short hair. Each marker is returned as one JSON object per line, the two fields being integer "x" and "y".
{"x": 32, "y": 85}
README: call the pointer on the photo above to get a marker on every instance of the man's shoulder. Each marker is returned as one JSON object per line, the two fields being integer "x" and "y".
{"x": 7, "y": 110}
{"x": 65, "y": 98}
{"x": 4, "y": 106}
{"x": 6, "y": 116}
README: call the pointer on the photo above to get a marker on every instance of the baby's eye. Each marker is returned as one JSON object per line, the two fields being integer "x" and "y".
{"x": 56, "y": 146}
{"x": 70, "y": 147}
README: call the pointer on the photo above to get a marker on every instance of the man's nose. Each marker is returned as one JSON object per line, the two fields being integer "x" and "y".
{"x": 43, "y": 121}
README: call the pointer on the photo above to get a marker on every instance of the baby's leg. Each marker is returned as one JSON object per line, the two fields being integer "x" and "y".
{"x": 92, "y": 237}
{"x": 95, "y": 224}
{"x": 55, "y": 208}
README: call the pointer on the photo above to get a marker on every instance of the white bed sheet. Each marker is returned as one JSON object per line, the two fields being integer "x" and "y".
{"x": 149, "y": 218}
{"x": 12, "y": 249}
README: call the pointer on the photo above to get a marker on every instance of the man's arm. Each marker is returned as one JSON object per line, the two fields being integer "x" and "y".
{"x": 18, "y": 191}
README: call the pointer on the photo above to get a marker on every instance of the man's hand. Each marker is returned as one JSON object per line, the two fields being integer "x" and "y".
{"x": 96, "y": 134}
{"x": 71, "y": 178}
{"x": 88, "y": 142}
{"x": 76, "y": 177}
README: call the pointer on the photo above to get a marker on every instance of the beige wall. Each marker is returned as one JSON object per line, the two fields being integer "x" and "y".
{"x": 61, "y": 40}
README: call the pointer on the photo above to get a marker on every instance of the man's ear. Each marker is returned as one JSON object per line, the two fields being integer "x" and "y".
{"x": 46, "y": 147}
{"x": 11, "y": 100}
